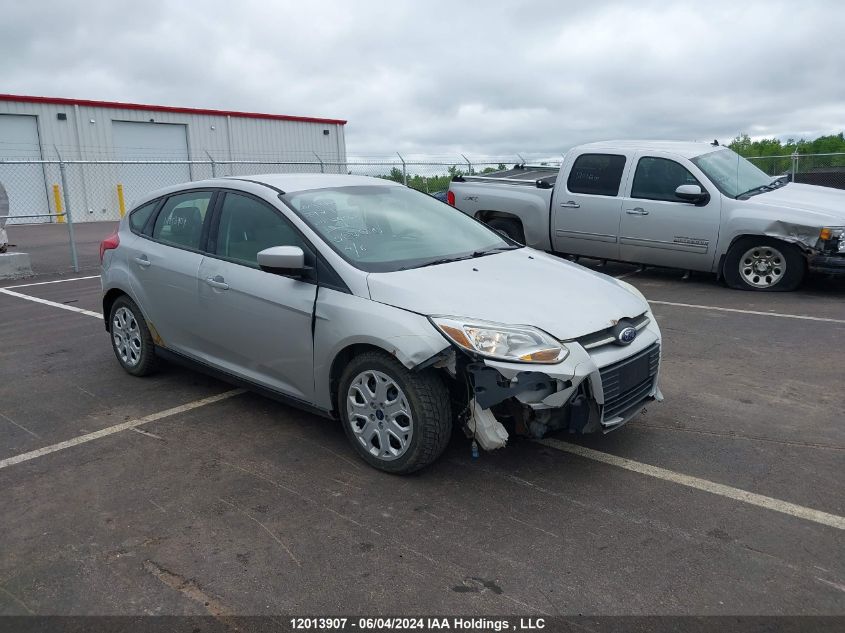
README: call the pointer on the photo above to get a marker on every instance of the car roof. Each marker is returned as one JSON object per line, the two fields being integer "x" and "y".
{"x": 687, "y": 149}
{"x": 290, "y": 183}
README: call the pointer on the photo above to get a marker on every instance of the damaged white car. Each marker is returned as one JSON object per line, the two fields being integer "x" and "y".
{"x": 364, "y": 300}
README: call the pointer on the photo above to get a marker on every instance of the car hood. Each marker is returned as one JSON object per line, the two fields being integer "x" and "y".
{"x": 519, "y": 287}
{"x": 824, "y": 204}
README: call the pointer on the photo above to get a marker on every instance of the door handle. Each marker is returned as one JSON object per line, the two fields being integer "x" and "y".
{"x": 636, "y": 211}
{"x": 570, "y": 204}
{"x": 142, "y": 261}
{"x": 217, "y": 282}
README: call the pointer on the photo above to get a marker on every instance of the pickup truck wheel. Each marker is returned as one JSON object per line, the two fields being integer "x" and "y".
{"x": 509, "y": 228}
{"x": 397, "y": 420}
{"x": 759, "y": 263}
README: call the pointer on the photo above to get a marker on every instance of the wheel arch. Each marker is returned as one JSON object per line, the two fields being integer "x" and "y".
{"x": 720, "y": 272}
{"x": 486, "y": 216}
{"x": 109, "y": 298}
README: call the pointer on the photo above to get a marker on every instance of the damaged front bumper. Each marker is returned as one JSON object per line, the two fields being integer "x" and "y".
{"x": 590, "y": 391}
{"x": 827, "y": 264}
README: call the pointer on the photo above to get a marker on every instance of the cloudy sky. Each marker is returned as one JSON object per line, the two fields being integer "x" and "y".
{"x": 431, "y": 77}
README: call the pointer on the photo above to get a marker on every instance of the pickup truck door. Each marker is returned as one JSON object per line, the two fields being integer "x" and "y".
{"x": 586, "y": 205}
{"x": 659, "y": 228}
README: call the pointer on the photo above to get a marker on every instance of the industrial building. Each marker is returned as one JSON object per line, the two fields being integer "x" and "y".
{"x": 114, "y": 152}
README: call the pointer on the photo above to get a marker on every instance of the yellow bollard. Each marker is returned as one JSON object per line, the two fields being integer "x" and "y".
{"x": 121, "y": 205}
{"x": 57, "y": 198}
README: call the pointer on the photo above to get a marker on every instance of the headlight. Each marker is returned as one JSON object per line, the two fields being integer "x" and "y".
{"x": 835, "y": 236}
{"x": 515, "y": 343}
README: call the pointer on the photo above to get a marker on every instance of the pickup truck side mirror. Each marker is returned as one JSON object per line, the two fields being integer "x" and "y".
{"x": 288, "y": 261}
{"x": 692, "y": 193}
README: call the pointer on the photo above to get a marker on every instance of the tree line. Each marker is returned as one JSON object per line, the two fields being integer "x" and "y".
{"x": 433, "y": 184}
{"x": 768, "y": 148}
{"x": 744, "y": 146}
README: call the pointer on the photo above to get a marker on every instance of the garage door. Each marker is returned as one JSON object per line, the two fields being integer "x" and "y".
{"x": 150, "y": 141}
{"x": 23, "y": 182}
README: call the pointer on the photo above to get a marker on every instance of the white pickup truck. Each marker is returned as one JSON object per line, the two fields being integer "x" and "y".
{"x": 693, "y": 206}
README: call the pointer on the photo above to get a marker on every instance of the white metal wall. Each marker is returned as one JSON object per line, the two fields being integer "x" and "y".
{"x": 87, "y": 133}
{"x": 134, "y": 141}
{"x": 25, "y": 184}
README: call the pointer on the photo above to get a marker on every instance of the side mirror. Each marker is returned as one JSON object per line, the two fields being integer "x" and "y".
{"x": 692, "y": 193}
{"x": 282, "y": 260}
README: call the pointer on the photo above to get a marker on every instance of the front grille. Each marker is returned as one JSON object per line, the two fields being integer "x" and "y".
{"x": 606, "y": 336}
{"x": 628, "y": 382}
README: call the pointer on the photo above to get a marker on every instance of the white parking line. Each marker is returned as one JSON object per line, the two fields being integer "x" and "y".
{"x": 771, "y": 314}
{"x": 117, "y": 428}
{"x": 54, "y": 304}
{"x": 722, "y": 490}
{"x": 55, "y": 281}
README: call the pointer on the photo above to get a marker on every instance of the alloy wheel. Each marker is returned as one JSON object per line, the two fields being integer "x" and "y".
{"x": 379, "y": 414}
{"x": 127, "y": 337}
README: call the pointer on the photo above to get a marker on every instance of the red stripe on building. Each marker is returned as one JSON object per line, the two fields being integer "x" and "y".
{"x": 158, "y": 108}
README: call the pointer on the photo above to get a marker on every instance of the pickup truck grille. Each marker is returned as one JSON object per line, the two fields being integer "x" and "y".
{"x": 628, "y": 382}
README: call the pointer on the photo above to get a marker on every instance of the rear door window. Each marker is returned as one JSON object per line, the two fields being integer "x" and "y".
{"x": 657, "y": 179}
{"x": 181, "y": 219}
{"x": 596, "y": 174}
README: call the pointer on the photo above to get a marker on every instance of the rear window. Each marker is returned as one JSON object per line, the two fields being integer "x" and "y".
{"x": 596, "y": 174}
{"x": 139, "y": 217}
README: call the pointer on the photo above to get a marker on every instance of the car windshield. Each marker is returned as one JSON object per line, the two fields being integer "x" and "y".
{"x": 731, "y": 173}
{"x": 388, "y": 228}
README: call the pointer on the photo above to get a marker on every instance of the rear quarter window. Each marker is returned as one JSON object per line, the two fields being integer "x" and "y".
{"x": 139, "y": 217}
{"x": 596, "y": 174}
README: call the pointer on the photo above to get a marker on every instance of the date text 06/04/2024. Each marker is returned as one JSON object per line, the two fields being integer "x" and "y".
{"x": 417, "y": 623}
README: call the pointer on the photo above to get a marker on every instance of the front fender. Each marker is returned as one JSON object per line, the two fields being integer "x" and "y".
{"x": 792, "y": 226}
{"x": 343, "y": 320}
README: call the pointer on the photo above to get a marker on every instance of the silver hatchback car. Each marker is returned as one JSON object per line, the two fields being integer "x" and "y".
{"x": 370, "y": 302}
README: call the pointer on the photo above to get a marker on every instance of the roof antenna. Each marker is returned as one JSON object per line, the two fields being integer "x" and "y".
{"x": 715, "y": 142}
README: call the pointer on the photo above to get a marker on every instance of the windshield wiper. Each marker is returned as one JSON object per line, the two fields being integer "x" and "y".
{"x": 473, "y": 255}
{"x": 443, "y": 260}
{"x": 497, "y": 249}
{"x": 755, "y": 190}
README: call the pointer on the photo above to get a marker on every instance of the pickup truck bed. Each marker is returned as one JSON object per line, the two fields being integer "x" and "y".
{"x": 528, "y": 173}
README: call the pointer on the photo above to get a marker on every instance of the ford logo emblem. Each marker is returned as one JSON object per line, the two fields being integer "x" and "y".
{"x": 624, "y": 334}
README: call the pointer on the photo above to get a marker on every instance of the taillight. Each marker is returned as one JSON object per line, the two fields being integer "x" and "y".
{"x": 450, "y": 197}
{"x": 112, "y": 241}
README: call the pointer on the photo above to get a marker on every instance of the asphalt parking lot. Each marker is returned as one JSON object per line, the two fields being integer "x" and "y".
{"x": 176, "y": 494}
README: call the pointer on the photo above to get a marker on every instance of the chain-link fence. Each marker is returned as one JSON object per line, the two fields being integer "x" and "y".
{"x": 73, "y": 191}
{"x": 827, "y": 170}
{"x": 84, "y": 191}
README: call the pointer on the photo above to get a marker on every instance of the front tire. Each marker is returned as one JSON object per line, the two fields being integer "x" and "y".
{"x": 764, "y": 264}
{"x": 396, "y": 420}
{"x": 131, "y": 339}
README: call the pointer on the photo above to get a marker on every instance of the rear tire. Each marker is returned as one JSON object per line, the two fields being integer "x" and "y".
{"x": 396, "y": 420}
{"x": 510, "y": 228}
{"x": 131, "y": 339}
{"x": 764, "y": 264}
